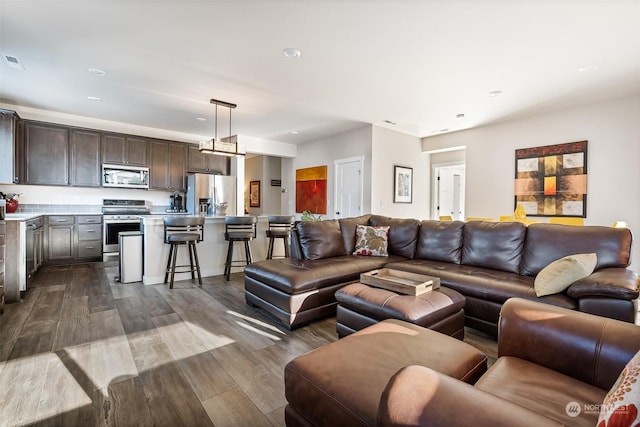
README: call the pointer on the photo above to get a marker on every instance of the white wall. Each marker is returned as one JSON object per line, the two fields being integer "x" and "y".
{"x": 323, "y": 152}
{"x": 613, "y": 131}
{"x": 391, "y": 148}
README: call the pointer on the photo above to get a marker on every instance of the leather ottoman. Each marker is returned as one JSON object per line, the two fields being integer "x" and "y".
{"x": 341, "y": 383}
{"x": 360, "y": 305}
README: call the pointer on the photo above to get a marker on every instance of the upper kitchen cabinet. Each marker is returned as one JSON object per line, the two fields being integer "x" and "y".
{"x": 167, "y": 165}
{"x": 10, "y": 159}
{"x": 46, "y": 152}
{"x": 124, "y": 150}
{"x": 85, "y": 158}
{"x": 207, "y": 163}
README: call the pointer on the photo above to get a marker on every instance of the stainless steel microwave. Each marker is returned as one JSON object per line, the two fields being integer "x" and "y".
{"x": 125, "y": 176}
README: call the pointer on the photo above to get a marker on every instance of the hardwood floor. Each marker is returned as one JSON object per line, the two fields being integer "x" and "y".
{"x": 82, "y": 349}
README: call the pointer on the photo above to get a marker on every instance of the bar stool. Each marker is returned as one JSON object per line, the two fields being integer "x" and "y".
{"x": 238, "y": 229}
{"x": 183, "y": 230}
{"x": 279, "y": 228}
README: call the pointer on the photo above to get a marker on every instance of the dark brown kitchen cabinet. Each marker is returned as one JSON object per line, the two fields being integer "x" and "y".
{"x": 73, "y": 239}
{"x": 167, "y": 163}
{"x": 10, "y": 141}
{"x": 85, "y": 158}
{"x": 207, "y": 163}
{"x": 46, "y": 151}
{"x": 124, "y": 150}
{"x": 60, "y": 238}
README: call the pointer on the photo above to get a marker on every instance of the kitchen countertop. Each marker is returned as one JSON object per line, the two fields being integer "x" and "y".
{"x": 26, "y": 216}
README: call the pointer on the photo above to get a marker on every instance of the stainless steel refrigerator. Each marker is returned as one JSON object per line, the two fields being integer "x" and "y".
{"x": 211, "y": 194}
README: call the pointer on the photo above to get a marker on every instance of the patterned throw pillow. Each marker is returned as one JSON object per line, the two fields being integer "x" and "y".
{"x": 371, "y": 241}
{"x": 620, "y": 406}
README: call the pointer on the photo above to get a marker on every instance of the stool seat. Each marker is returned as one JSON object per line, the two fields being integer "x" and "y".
{"x": 279, "y": 228}
{"x": 238, "y": 235}
{"x": 183, "y": 230}
{"x": 238, "y": 229}
{"x": 183, "y": 238}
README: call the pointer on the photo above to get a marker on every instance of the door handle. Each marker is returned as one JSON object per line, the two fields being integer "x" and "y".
{"x": 337, "y": 213}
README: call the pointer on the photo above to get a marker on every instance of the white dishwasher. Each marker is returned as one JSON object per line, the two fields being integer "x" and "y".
{"x": 130, "y": 254}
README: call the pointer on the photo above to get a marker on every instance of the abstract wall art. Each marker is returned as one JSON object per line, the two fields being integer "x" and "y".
{"x": 552, "y": 180}
{"x": 311, "y": 190}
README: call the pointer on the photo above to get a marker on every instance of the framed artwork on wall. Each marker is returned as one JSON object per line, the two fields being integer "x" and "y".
{"x": 552, "y": 180}
{"x": 311, "y": 190}
{"x": 254, "y": 194}
{"x": 403, "y": 184}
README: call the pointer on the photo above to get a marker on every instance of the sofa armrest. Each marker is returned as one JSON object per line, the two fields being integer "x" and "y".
{"x": 590, "y": 348}
{"x": 620, "y": 283}
{"x": 419, "y": 396}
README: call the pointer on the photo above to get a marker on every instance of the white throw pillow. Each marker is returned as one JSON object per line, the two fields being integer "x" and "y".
{"x": 620, "y": 406}
{"x": 560, "y": 274}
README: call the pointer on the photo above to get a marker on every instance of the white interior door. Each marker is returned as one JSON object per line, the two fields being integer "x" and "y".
{"x": 449, "y": 191}
{"x": 348, "y": 187}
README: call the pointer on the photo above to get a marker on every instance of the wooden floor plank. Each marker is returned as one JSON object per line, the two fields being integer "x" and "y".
{"x": 123, "y": 404}
{"x": 171, "y": 399}
{"x": 235, "y": 409}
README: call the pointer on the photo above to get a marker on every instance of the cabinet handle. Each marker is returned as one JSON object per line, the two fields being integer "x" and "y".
{"x": 61, "y": 220}
{"x": 91, "y": 231}
{"x": 89, "y": 247}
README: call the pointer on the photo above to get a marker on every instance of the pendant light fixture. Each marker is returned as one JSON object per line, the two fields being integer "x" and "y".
{"x": 227, "y": 146}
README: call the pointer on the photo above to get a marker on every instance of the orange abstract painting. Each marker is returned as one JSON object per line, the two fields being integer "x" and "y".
{"x": 311, "y": 190}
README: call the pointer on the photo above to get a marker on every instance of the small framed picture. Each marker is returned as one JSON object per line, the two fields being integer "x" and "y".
{"x": 403, "y": 184}
{"x": 254, "y": 194}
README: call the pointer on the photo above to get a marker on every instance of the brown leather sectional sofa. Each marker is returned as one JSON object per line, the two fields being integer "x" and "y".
{"x": 487, "y": 262}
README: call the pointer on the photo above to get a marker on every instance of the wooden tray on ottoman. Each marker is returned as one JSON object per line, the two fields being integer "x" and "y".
{"x": 400, "y": 281}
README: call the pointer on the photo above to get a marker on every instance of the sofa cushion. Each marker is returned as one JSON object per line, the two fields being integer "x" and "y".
{"x": 549, "y": 242}
{"x": 560, "y": 274}
{"x": 440, "y": 241}
{"x": 403, "y": 234}
{"x": 293, "y": 276}
{"x": 348, "y": 229}
{"x": 320, "y": 239}
{"x": 541, "y": 390}
{"x": 621, "y": 405}
{"x": 371, "y": 240}
{"x": 482, "y": 283}
{"x": 493, "y": 245}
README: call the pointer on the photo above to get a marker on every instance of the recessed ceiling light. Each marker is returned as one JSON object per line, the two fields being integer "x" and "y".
{"x": 389, "y": 122}
{"x": 201, "y": 119}
{"x": 94, "y": 98}
{"x": 97, "y": 71}
{"x": 460, "y": 116}
{"x": 495, "y": 93}
{"x": 291, "y": 53}
{"x": 294, "y": 132}
{"x": 13, "y": 61}
{"x": 588, "y": 68}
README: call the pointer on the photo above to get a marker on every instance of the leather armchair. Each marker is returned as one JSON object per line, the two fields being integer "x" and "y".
{"x": 547, "y": 357}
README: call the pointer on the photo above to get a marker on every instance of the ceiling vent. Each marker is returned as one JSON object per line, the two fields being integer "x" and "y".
{"x": 13, "y": 61}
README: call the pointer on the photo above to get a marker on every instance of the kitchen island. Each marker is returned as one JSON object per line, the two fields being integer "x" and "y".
{"x": 212, "y": 251}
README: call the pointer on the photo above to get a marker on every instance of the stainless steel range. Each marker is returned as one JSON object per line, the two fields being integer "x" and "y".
{"x": 120, "y": 215}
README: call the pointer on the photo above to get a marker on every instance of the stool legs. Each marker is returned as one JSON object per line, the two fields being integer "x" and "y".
{"x": 287, "y": 251}
{"x": 270, "y": 249}
{"x": 194, "y": 264}
{"x": 195, "y": 256}
{"x": 247, "y": 255}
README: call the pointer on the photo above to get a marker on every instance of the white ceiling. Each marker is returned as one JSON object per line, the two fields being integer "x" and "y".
{"x": 417, "y": 63}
